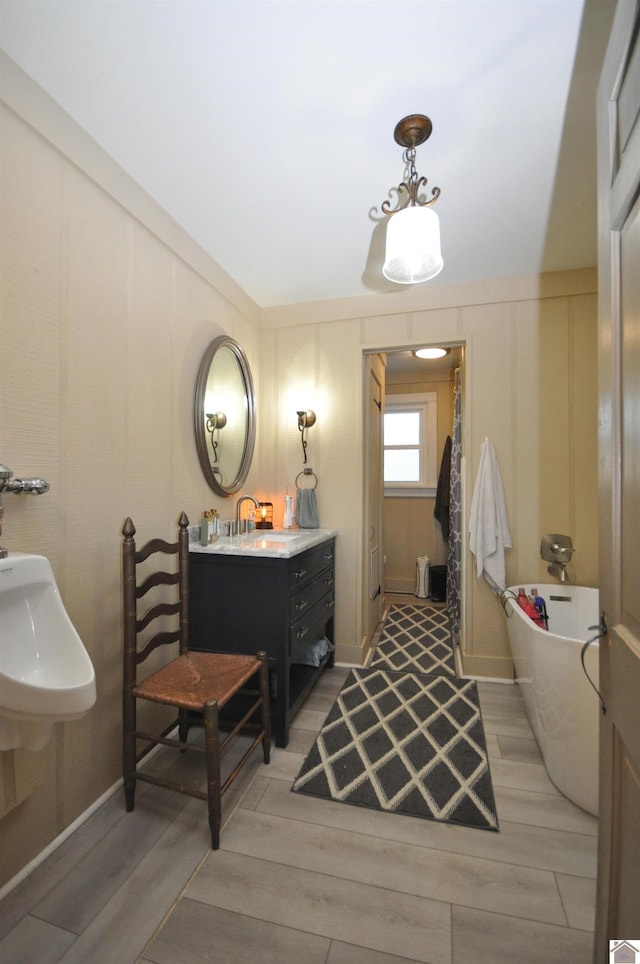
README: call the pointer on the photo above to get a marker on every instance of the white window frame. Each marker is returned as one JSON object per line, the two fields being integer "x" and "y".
{"x": 426, "y": 404}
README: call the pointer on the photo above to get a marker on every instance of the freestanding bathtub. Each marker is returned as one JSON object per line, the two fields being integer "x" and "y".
{"x": 562, "y": 706}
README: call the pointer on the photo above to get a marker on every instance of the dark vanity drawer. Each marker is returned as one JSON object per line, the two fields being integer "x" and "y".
{"x": 305, "y": 598}
{"x": 305, "y": 567}
{"x": 311, "y": 625}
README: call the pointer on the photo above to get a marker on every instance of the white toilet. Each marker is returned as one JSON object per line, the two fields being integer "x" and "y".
{"x": 46, "y": 675}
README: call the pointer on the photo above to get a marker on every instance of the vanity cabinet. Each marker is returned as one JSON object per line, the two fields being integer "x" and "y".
{"x": 243, "y": 604}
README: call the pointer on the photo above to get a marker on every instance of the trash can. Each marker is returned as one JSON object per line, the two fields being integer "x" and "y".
{"x": 422, "y": 577}
{"x": 439, "y": 583}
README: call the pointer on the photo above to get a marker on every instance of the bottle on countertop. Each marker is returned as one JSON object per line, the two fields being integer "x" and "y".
{"x": 204, "y": 531}
{"x": 287, "y": 521}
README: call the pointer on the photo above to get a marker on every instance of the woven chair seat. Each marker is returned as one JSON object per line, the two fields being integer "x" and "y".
{"x": 191, "y": 680}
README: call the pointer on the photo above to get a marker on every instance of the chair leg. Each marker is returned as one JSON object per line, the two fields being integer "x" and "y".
{"x": 266, "y": 712}
{"x": 212, "y": 752}
{"x": 183, "y": 725}
{"x": 129, "y": 750}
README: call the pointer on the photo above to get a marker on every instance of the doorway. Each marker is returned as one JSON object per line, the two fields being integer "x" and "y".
{"x": 408, "y": 527}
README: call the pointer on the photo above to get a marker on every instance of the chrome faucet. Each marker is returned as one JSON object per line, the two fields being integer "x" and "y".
{"x": 240, "y": 522}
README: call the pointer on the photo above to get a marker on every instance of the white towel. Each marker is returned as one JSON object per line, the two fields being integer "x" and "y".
{"x": 488, "y": 525}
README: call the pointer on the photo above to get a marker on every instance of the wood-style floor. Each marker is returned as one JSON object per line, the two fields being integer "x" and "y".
{"x": 305, "y": 881}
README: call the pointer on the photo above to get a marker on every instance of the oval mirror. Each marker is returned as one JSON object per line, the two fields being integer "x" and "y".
{"x": 224, "y": 416}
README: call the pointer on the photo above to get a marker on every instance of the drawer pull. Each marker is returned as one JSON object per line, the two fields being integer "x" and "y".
{"x": 302, "y": 632}
{"x": 328, "y": 556}
{"x": 300, "y": 573}
{"x": 330, "y": 603}
{"x": 301, "y": 606}
{"x": 329, "y": 581}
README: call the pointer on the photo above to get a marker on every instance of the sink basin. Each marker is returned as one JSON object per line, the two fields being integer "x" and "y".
{"x": 46, "y": 675}
{"x": 270, "y": 535}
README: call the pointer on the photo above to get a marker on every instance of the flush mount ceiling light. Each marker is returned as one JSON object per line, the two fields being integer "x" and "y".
{"x": 430, "y": 352}
{"x": 413, "y": 231}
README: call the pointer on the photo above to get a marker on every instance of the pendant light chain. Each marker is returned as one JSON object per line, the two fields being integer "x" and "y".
{"x": 413, "y": 182}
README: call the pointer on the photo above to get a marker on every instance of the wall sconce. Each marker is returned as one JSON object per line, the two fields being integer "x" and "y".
{"x": 413, "y": 250}
{"x": 215, "y": 421}
{"x": 305, "y": 421}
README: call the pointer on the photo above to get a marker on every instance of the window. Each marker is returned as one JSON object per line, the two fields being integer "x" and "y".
{"x": 410, "y": 445}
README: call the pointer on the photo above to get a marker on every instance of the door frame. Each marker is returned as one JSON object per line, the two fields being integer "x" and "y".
{"x": 425, "y": 342}
{"x": 618, "y": 188}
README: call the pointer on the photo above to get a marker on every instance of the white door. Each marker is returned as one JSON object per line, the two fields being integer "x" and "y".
{"x": 618, "y": 905}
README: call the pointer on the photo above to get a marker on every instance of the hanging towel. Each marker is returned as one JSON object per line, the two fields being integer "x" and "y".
{"x": 306, "y": 509}
{"x": 441, "y": 508}
{"x": 488, "y": 525}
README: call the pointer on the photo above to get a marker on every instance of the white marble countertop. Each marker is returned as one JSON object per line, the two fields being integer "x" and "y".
{"x": 270, "y": 543}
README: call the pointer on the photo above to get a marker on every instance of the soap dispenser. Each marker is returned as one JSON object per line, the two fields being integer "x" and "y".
{"x": 287, "y": 521}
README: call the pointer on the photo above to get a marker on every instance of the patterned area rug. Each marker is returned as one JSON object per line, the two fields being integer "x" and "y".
{"x": 415, "y": 639}
{"x": 406, "y": 743}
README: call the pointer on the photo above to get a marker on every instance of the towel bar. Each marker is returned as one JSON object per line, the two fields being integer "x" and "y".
{"x": 307, "y": 472}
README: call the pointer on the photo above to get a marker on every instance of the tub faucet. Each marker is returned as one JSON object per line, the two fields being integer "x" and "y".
{"x": 558, "y": 550}
{"x": 241, "y": 524}
{"x": 559, "y": 570}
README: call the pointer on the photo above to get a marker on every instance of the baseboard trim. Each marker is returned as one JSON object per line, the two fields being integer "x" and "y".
{"x": 66, "y": 833}
{"x": 57, "y": 841}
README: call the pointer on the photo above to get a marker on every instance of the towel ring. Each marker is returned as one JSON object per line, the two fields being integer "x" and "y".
{"x": 307, "y": 472}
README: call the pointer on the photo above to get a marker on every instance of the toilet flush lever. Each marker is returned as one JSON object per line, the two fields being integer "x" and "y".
{"x": 35, "y": 486}
{"x": 9, "y": 484}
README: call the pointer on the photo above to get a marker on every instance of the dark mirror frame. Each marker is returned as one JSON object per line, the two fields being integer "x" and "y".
{"x": 202, "y": 442}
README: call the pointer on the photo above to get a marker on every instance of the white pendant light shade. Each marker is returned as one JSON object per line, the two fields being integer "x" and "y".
{"x": 413, "y": 246}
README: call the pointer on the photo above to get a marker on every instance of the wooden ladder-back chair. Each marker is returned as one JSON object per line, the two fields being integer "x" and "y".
{"x": 192, "y": 682}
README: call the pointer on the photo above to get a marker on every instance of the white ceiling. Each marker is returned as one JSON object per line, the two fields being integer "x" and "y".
{"x": 266, "y": 128}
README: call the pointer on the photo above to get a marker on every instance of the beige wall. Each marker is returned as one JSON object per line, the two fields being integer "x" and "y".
{"x": 107, "y": 310}
{"x": 529, "y": 385}
{"x": 410, "y": 529}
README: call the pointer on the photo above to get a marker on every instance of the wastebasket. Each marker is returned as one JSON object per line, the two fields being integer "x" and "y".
{"x": 438, "y": 583}
{"x": 422, "y": 577}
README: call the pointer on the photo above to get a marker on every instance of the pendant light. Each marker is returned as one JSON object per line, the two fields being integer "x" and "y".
{"x": 412, "y": 252}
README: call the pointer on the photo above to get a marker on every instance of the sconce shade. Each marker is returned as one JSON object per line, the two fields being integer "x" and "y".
{"x": 413, "y": 246}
